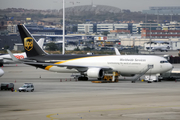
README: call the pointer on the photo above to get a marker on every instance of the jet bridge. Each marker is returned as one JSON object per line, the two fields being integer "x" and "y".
{"x": 142, "y": 72}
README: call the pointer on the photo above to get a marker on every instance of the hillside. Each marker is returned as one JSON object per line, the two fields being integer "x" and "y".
{"x": 81, "y": 14}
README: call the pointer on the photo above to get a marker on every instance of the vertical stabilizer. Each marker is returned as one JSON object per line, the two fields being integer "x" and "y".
{"x": 30, "y": 45}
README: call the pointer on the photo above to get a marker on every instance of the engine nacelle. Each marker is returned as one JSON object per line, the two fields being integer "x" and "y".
{"x": 95, "y": 73}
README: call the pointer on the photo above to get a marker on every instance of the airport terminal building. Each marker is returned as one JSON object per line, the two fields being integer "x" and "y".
{"x": 100, "y": 28}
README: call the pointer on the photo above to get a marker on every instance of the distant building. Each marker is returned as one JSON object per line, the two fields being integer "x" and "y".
{"x": 121, "y": 26}
{"x": 120, "y": 31}
{"x": 100, "y": 28}
{"x": 171, "y": 26}
{"x": 160, "y": 34}
{"x": 18, "y": 46}
{"x": 12, "y": 28}
{"x": 104, "y": 27}
{"x": 135, "y": 28}
{"x": 169, "y": 10}
{"x": 39, "y": 29}
{"x": 148, "y": 26}
{"x": 9, "y": 41}
{"x": 86, "y": 28}
{"x": 175, "y": 45}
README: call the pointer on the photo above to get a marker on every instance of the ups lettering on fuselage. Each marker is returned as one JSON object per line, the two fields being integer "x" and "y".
{"x": 28, "y": 43}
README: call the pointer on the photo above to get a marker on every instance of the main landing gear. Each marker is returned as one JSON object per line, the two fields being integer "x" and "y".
{"x": 1, "y": 64}
{"x": 82, "y": 78}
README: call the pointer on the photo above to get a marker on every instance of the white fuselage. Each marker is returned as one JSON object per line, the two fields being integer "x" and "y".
{"x": 125, "y": 64}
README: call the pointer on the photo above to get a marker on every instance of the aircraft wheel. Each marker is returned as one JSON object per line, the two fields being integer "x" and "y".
{"x": 86, "y": 78}
{"x": 83, "y": 78}
{"x": 99, "y": 79}
{"x": 1, "y": 64}
{"x": 79, "y": 78}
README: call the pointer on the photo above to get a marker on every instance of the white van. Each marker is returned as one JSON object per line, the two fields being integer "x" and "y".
{"x": 27, "y": 87}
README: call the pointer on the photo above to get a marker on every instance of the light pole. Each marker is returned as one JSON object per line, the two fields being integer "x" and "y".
{"x": 63, "y": 28}
{"x": 122, "y": 17}
{"x": 63, "y": 46}
{"x": 171, "y": 15}
{"x": 150, "y": 39}
{"x": 158, "y": 16}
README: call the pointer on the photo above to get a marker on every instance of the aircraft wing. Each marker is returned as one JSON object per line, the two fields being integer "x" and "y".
{"x": 31, "y": 62}
{"x": 13, "y": 57}
{"x": 68, "y": 66}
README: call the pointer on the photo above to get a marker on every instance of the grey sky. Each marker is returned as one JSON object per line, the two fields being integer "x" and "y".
{"x": 133, "y": 5}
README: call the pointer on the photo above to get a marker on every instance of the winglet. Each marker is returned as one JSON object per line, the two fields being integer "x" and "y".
{"x": 41, "y": 42}
{"x": 117, "y": 51}
{"x": 13, "y": 57}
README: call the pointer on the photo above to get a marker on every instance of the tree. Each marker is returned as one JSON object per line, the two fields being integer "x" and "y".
{"x": 51, "y": 46}
{"x": 6, "y": 47}
{"x": 105, "y": 33}
{"x": 2, "y": 23}
{"x": 74, "y": 29}
{"x": 77, "y": 49}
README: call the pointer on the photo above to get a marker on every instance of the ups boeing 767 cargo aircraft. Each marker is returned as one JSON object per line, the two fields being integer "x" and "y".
{"x": 90, "y": 66}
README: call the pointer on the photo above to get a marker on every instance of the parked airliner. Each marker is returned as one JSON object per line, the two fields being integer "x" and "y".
{"x": 89, "y": 66}
{"x": 158, "y": 48}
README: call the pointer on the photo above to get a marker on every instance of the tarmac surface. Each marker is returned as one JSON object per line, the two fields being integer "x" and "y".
{"x": 77, "y": 100}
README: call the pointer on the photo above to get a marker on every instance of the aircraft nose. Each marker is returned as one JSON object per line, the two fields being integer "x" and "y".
{"x": 170, "y": 66}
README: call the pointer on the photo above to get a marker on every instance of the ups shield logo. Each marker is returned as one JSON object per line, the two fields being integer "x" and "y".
{"x": 28, "y": 43}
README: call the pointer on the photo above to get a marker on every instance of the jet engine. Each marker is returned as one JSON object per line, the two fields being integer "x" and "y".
{"x": 95, "y": 73}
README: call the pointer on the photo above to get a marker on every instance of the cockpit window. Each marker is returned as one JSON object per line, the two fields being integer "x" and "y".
{"x": 164, "y": 62}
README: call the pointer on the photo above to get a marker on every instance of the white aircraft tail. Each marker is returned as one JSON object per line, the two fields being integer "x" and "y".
{"x": 117, "y": 51}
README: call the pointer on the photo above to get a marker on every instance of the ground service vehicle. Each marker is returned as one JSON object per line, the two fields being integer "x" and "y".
{"x": 7, "y": 86}
{"x": 27, "y": 87}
